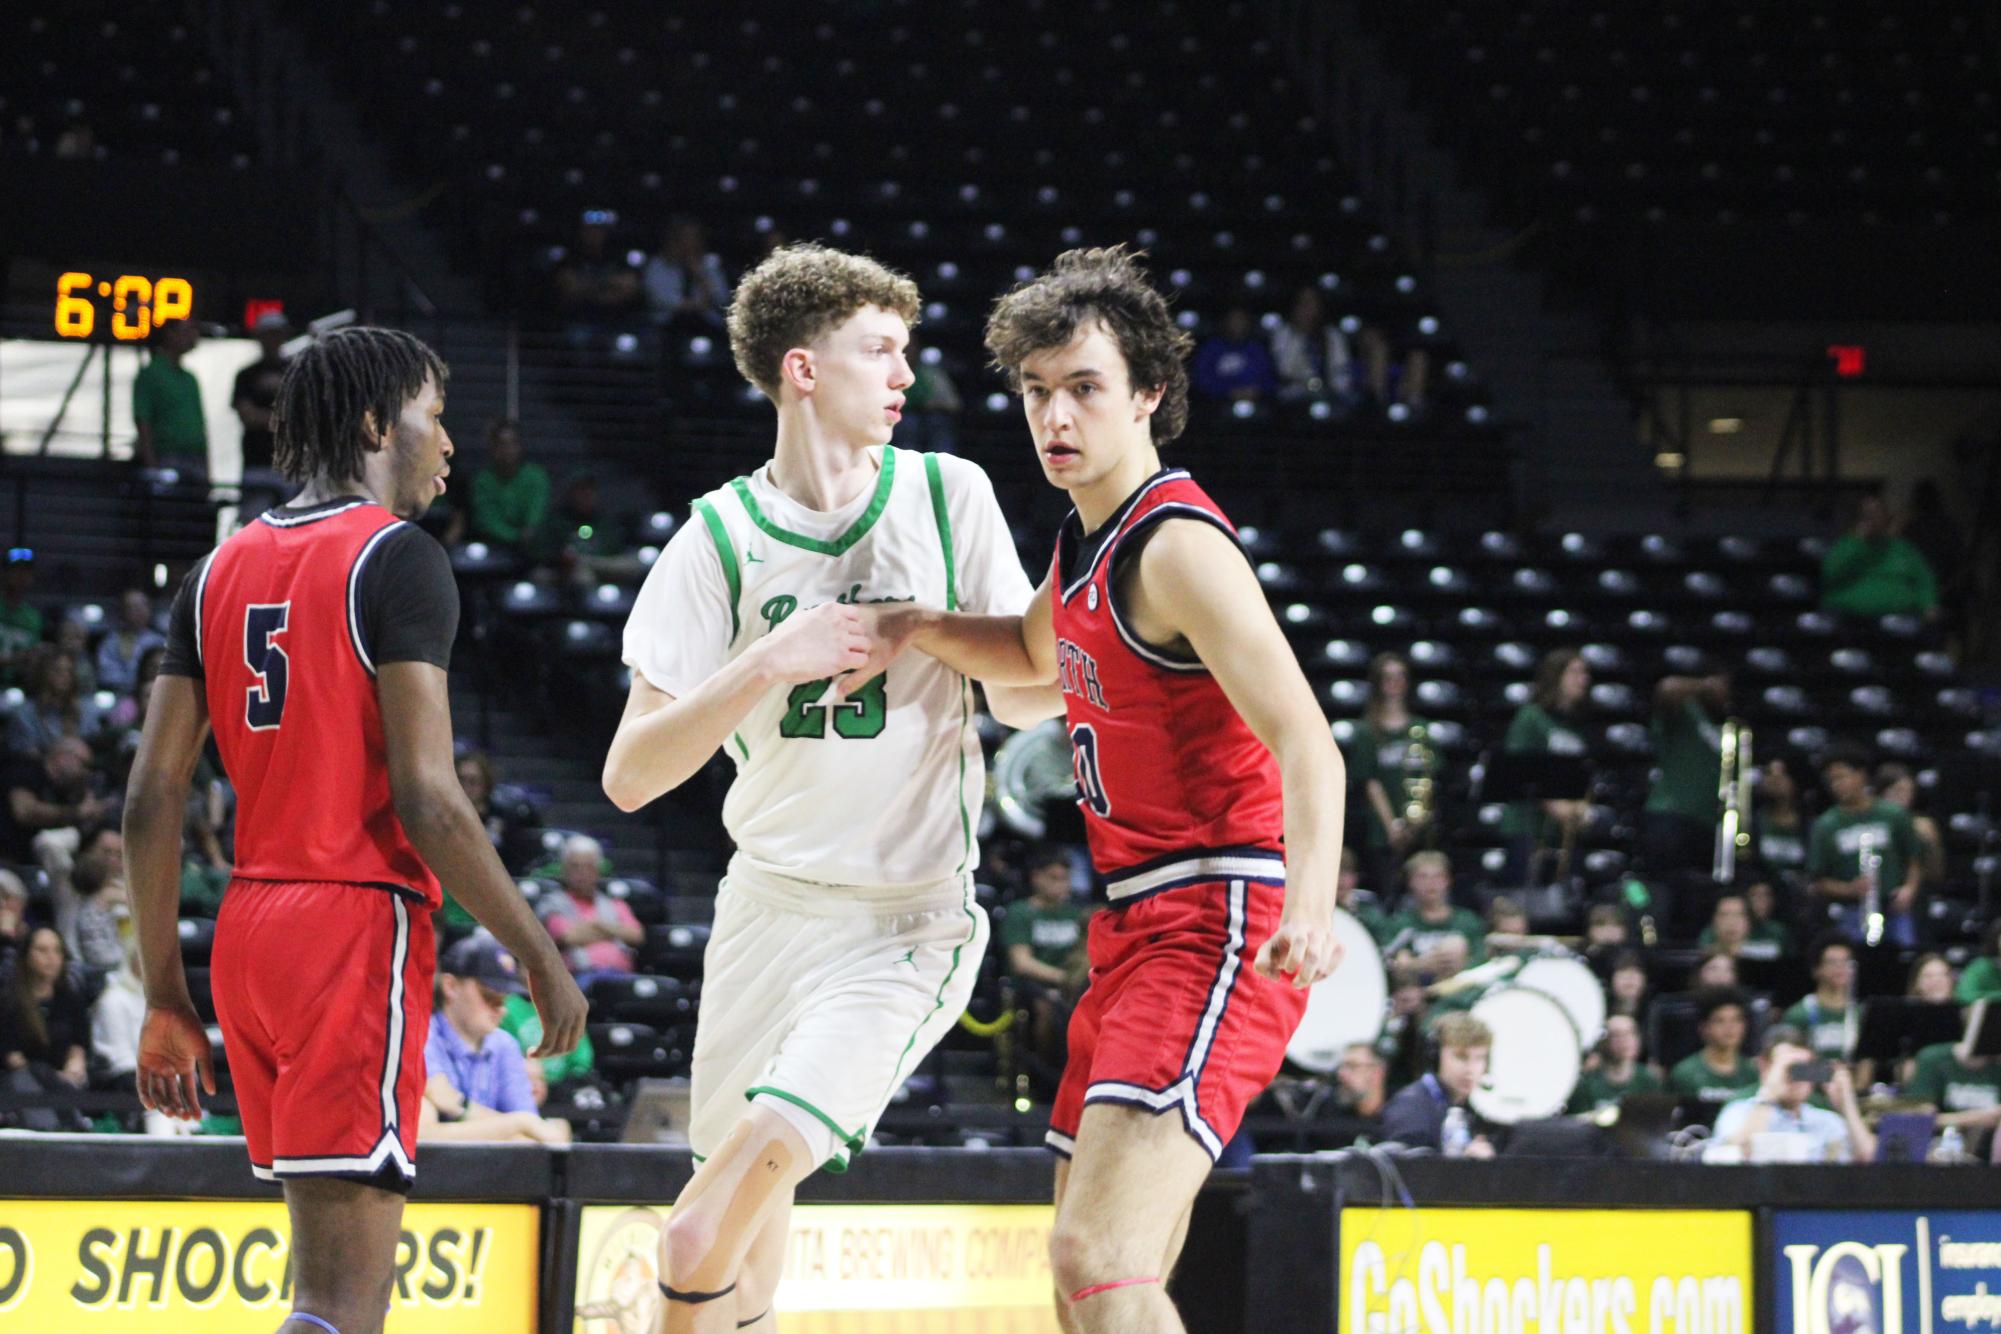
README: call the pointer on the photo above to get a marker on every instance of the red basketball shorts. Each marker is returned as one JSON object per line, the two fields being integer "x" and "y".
{"x": 1176, "y": 1018}
{"x": 324, "y": 995}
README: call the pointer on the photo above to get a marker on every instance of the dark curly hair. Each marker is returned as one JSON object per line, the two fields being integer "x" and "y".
{"x": 1107, "y": 287}
{"x": 345, "y": 385}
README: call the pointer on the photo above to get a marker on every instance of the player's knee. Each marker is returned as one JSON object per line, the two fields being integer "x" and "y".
{"x": 686, "y": 1243}
{"x": 1078, "y": 1257}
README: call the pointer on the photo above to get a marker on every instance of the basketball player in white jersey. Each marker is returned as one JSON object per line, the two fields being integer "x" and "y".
{"x": 846, "y": 937}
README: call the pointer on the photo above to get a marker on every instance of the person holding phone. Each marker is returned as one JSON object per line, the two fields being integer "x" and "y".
{"x": 1788, "y": 1074}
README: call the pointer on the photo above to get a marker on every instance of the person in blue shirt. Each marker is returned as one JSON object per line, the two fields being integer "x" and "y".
{"x": 1780, "y": 1105}
{"x": 476, "y": 1082}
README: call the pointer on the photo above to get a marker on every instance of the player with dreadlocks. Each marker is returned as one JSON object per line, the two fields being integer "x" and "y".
{"x": 315, "y": 642}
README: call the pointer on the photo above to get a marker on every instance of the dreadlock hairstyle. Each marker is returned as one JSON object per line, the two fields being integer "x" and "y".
{"x": 343, "y": 386}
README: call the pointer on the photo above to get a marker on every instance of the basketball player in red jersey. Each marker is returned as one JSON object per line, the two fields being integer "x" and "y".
{"x": 315, "y": 643}
{"x": 1211, "y": 787}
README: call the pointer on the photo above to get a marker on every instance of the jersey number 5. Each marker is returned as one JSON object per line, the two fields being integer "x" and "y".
{"x": 1090, "y": 783}
{"x": 264, "y": 701}
{"x": 858, "y": 717}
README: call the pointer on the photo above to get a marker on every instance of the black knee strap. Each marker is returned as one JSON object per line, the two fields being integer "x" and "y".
{"x": 694, "y": 1298}
{"x": 746, "y": 1324}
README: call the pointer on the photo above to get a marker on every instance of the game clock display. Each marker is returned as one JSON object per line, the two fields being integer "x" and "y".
{"x": 137, "y": 305}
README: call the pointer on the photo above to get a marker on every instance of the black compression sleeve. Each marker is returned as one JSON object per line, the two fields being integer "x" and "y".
{"x": 183, "y": 656}
{"x": 409, "y": 601}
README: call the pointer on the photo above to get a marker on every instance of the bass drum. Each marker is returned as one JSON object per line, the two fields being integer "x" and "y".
{"x": 1536, "y": 1060}
{"x": 1345, "y": 1007}
{"x": 1035, "y": 783}
{"x": 1573, "y": 985}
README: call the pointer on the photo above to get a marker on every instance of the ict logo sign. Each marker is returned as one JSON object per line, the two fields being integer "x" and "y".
{"x": 1887, "y": 1272}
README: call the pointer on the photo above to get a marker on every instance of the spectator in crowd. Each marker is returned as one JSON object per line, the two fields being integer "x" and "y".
{"x": 686, "y": 287}
{"x": 54, "y": 708}
{"x": 1233, "y": 365}
{"x": 1718, "y": 1072}
{"x": 20, "y": 621}
{"x": 256, "y": 392}
{"x": 1981, "y": 979}
{"x": 118, "y": 740}
{"x": 1507, "y": 926}
{"x": 1762, "y": 900}
{"x": 582, "y": 542}
{"x": 1871, "y": 571}
{"x": 1402, "y": 1041}
{"x": 1378, "y": 765}
{"x": 1965, "y": 1091}
{"x": 1834, "y": 852}
{"x": 1680, "y": 812}
{"x": 1931, "y": 980}
{"x": 1311, "y": 357}
{"x": 1547, "y": 725}
{"x": 595, "y": 285}
{"x": 1361, "y": 1084}
{"x": 1779, "y": 825}
{"x": 125, "y": 644}
{"x": 1606, "y": 934}
{"x": 13, "y": 918}
{"x": 547, "y": 1075}
{"x": 1779, "y": 1104}
{"x": 44, "y": 1028}
{"x": 103, "y": 911}
{"x": 1713, "y": 970}
{"x": 597, "y": 931}
{"x": 477, "y": 1086}
{"x": 1897, "y": 786}
{"x": 931, "y": 404}
{"x": 1039, "y": 936}
{"x": 510, "y": 496}
{"x": 1391, "y": 383}
{"x": 1351, "y": 897}
{"x": 1423, "y": 932}
{"x": 1628, "y": 989}
{"x": 1615, "y": 1068}
{"x": 166, "y": 404}
{"x": 58, "y": 791}
{"x": 1416, "y": 1117}
{"x": 1829, "y": 1015}
{"x": 1730, "y": 931}
{"x": 73, "y": 642}
{"x": 511, "y": 823}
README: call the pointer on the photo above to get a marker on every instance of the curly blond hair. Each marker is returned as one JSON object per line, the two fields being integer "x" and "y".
{"x": 800, "y": 293}
{"x": 1108, "y": 287}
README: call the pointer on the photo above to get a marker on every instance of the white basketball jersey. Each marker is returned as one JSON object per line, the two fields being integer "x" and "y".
{"x": 882, "y": 788}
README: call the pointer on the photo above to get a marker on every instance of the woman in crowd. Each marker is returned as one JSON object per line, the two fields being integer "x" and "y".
{"x": 1380, "y": 764}
{"x": 55, "y": 706}
{"x": 44, "y": 1029}
{"x": 1549, "y": 724}
{"x": 1615, "y": 1069}
{"x": 1897, "y": 785}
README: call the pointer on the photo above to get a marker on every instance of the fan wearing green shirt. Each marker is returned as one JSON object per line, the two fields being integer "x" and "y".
{"x": 1834, "y": 853}
{"x": 21, "y": 623}
{"x": 1982, "y": 978}
{"x": 1829, "y": 1016}
{"x": 1965, "y": 1091}
{"x": 1549, "y": 724}
{"x": 1718, "y": 1073}
{"x": 1732, "y": 932}
{"x": 1380, "y": 765}
{"x": 1038, "y": 937}
{"x": 510, "y": 496}
{"x": 1681, "y": 812}
{"x": 1616, "y": 1069}
{"x": 1430, "y": 932}
{"x": 519, "y": 1020}
{"x": 166, "y": 404}
{"x": 1871, "y": 571}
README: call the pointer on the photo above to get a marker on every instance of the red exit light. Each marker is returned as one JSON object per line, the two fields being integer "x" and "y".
{"x": 1848, "y": 359}
{"x": 253, "y": 309}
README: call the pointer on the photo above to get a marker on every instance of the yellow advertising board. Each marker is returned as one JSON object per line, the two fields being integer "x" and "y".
{"x": 849, "y": 1269}
{"x": 219, "y": 1267}
{"x": 1545, "y": 1271}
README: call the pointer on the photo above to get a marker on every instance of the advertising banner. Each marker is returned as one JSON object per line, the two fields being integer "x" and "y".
{"x": 81, "y": 1266}
{"x": 1545, "y": 1271}
{"x": 849, "y": 1269}
{"x": 1887, "y": 1271}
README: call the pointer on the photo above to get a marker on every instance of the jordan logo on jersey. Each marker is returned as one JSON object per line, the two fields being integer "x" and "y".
{"x": 1077, "y": 673}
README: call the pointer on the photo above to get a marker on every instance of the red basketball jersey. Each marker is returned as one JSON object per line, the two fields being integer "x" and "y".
{"x": 291, "y": 695}
{"x": 1166, "y": 768}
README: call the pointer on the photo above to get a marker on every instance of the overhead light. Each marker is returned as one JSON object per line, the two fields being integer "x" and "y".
{"x": 1670, "y": 461}
{"x": 1725, "y": 425}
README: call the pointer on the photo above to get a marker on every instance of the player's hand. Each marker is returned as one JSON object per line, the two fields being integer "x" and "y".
{"x": 561, "y": 1007}
{"x": 809, "y": 645}
{"x": 173, "y": 1050}
{"x": 1304, "y": 951}
{"x": 889, "y": 627}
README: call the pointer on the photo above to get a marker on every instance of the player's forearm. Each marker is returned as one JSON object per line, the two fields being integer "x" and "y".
{"x": 153, "y": 880}
{"x": 1023, "y": 706}
{"x": 450, "y": 839}
{"x": 990, "y": 649}
{"x": 1315, "y": 783}
{"x": 656, "y": 752}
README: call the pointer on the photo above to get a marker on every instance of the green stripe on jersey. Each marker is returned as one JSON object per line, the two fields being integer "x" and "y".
{"x": 856, "y": 531}
{"x": 725, "y": 552}
{"x": 939, "y": 512}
